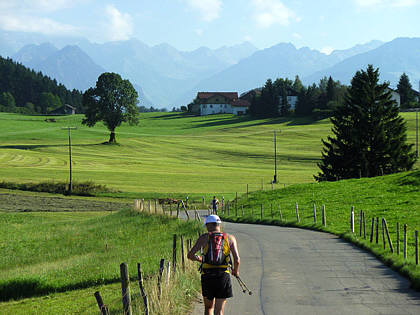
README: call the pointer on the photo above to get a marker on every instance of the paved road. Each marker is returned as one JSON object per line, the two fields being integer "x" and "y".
{"x": 295, "y": 271}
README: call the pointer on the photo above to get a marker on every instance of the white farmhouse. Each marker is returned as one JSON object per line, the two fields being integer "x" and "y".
{"x": 208, "y": 103}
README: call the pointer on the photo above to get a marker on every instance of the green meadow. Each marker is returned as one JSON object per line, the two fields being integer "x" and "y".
{"x": 166, "y": 152}
{"x": 53, "y": 262}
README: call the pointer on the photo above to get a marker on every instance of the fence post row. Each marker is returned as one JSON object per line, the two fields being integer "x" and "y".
{"x": 398, "y": 238}
{"x": 315, "y": 213}
{"x": 377, "y": 230}
{"x": 297, "y": 212}
{"x": 324, "y": 216}
{"x": 125, "y": 286}
{"x": 352, "y": 219}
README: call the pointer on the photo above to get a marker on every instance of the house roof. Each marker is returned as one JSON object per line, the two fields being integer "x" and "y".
{"x": 207, "y": 95}
{"x": 241, "y": 103}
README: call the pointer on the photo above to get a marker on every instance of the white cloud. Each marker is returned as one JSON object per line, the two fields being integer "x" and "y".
{"x": 269, "y": 12}
{"x": 327, "y": 50}
{"x": 387, "y": 3}
{"x": 297, "y": 36}
{"x": 199, "y": 31}
{"x": 120, "y": 25}
{"x": 27, "y": 16}
{"x": 208, "y": 10}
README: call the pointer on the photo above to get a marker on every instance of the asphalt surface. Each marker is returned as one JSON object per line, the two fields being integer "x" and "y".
{"x": 296, "y": 271}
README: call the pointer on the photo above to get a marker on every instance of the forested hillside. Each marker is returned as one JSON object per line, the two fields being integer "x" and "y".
{"x": 25, "y": 91}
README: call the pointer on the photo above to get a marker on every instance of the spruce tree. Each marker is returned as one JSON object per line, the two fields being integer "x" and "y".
{"x": 369, "y": 135}
{"x": 405, "y": 90}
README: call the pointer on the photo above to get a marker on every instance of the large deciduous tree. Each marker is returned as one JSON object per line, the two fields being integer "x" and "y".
{"x": 112, "y": 101}
{"x": 370, "y": 136}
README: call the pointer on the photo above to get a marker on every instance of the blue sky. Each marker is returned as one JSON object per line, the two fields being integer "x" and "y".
{"x": 189, "y": 24}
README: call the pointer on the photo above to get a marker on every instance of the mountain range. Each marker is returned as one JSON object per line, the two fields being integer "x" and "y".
{"x": 167, "y": 77}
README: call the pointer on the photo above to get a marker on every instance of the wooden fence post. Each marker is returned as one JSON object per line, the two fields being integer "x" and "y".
{"x": 141, "y": 284}
{"x": 168, "y": 272}
{"x": 174, "y": 254}
{"x": 398, "y": 238}
{"x": 297, "y": 212}
{"x": 102, "y": 307}
{"x": 417, "y": 247}
{"x": 315, "y": 213}
{"x": 262, "y": 211}
{"x": 324, "y": 216}
{"x": 281, "y": 215}
{"x": 405, "y": 241}
{"x": 182, "y": 253}
{"x": 364, "y": 225}
{"x": 352, "y": 219}
{"x": 377, "y": 230}
{"x": 236, "y": 204}
{"x": 388, "y": 236}
{"x": 156, "y": 207}
{"x": 160, "y": 275}
{"x": 383, "y": 233}
{"x": 372, "y": 232}
{"x": 125, "y": 286}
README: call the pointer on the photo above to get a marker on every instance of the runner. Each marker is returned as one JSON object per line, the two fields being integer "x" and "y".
{"x": 217, "y": 246}
{"x": 215, "y": 204}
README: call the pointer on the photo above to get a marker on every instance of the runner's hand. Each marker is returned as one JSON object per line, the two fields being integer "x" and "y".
{"x": 235, "y": 273}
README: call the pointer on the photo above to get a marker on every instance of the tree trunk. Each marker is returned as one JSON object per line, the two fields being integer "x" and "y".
{"x": 112, "y": 137}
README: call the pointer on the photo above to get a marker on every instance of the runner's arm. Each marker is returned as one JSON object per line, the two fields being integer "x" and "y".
{"x": 199, "y": 244}
{"x": 235, "y": 254}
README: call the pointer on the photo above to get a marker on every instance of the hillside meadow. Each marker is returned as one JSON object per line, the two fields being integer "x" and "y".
{"x": 167, "y": 153}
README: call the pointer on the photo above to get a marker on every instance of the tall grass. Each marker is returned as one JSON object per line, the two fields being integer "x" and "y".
{"x": 42, "y": 253}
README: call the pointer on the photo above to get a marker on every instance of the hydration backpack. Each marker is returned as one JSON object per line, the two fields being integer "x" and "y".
{"x": 215, "y": 254}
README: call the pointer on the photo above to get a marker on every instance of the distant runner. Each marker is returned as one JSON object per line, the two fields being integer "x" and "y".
{"x": 215, "y": 204}
{"x": 217, "y": 246}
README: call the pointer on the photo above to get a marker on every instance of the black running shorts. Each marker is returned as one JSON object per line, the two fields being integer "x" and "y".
{"x": 216, "y": 285}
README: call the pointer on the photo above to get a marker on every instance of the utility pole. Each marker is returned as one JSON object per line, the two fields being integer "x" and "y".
{"x": 275, "y": 158}
{"x": 70, "y": 158}
{"x": 417, "y": 134}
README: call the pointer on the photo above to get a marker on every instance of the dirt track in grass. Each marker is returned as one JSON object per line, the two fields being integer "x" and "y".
{"x": 31, "y": 203}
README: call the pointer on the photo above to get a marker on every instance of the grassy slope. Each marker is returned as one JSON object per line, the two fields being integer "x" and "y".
{"x": 165, "y": 154}
{"x": 43, "y": 253}
{"x": 394, "y": 197}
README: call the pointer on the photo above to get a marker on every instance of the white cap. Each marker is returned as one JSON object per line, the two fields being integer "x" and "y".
{"x": 213, "y": 219}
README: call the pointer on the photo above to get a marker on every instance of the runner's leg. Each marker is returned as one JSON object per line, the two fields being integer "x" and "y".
{"x": 220, "y": 307}
{"x": 208, "y": 306}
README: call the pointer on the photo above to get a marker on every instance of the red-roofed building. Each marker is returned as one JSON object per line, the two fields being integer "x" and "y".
{"x": 208, "y": 103}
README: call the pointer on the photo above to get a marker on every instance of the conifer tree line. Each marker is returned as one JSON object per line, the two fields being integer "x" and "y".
{"x": 29, "y": 92}
{"x": 319, "y": 100}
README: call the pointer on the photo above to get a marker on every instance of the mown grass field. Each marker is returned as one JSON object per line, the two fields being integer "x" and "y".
{"x": 167, "y": 152}
{"x": 45, "y": 253}
{"x": 393, "y": 197}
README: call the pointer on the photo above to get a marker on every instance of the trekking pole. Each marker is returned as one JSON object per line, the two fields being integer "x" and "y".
{"x": 243, "y": 285}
